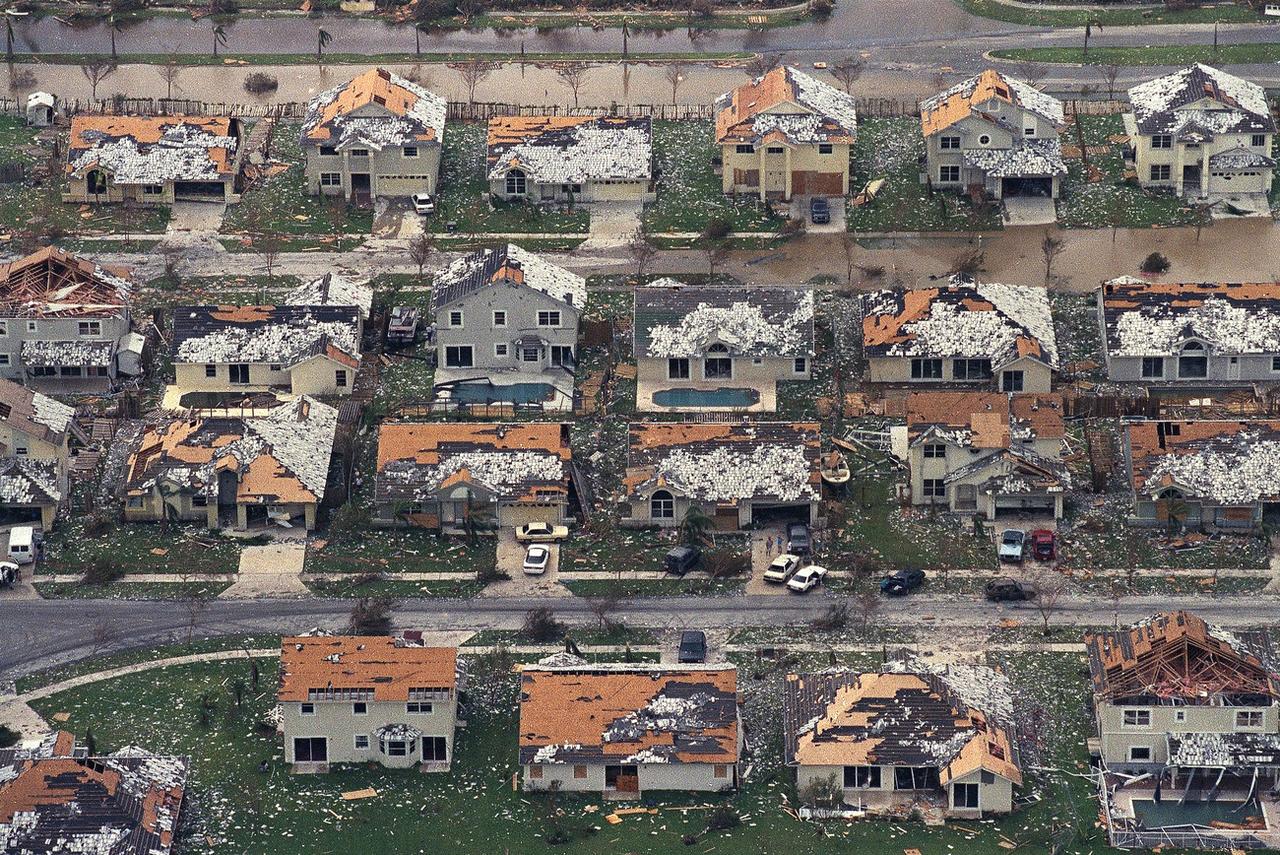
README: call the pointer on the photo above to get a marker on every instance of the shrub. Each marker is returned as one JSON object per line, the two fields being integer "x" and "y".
{"x": 488, "y": 575}
{"x": 717, "y": 228}
{"x": 1156, "y": 262}
{"x": 260, "y": 83}
{"x": 372, "y": 615}
{"x": 726, "y": 563}
{"x": 723, "y": 818}
{"x": 835, "y": 617}
{"x": 8, "y": 737}
{"x": 349, "y": 520}
{"x": 98, "y": 523}
{"x": 224, "y": 7}
{"x": 540, "y": 625}
{"x": 103, "y": 570}
{"x": 821, "y": 792}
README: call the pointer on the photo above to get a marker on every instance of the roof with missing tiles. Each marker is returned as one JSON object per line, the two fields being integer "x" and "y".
{"x": 27, "y": 481}
{"x": 786, "y": 105}
{"x": 333, "y": 290}
{"x": 966, "y": 97}
{"x": 507, "y": 263}
{"x": 386, "y": 668}
{"x": 1224, "y": 462}
{"x": 376, "y": 110}
{"x": 285, "y": 335}
{"x": 53, "y": 283}
{"x": 673, "y": 319}
{"x": 571, "y": 149}
{"x": 1025, "y": 158}
{"x": 1156, "y": 318}
{"x": 1176, "y": 104}
{"x": 963, "y": 319}
{"x": 984, "y": 419}
{"x": 36, "y": 415}
{"x": 585, "y": 714}
{"x": 154, "y": 149}
{"x": 725, "y": 463}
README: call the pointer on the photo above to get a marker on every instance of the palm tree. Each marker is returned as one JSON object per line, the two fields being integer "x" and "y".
{"x": 478, "y": 517}
{"x": 114, "y": 27}
{"x": 322, "y": 41}
{"x": 219, "y": 38}
{"x": 1176, "y": 511}
{"x": 695, "y": 527}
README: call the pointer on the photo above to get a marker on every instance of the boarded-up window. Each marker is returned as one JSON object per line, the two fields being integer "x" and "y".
{"x": 535, "y": 772}
{"x": 747, "y": 177}
{"x": 722, "y": 771}
{"x": 579, "y": 771}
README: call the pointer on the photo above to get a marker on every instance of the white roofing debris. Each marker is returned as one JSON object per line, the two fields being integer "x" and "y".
{"x": 333, "y": 290}
{"x": 826, "y": 99}
{"x": 1228, "y": 327}
{"x": 29, "y": 481}
{"x": 981, "y": 688}
{"x": 741, "y": 325}
{"x": 561, "y": 659}
{"x": 44, "y": 353}
{"x": 471, "y": 273}
{"x": 1165, "y": 105}
{"x": 427, "y": 113}
{"x": 1240, "y": 158}
{"x": 1022, "y": 94}
{"x": 728, "y": 473}
{"x": 503, "y": 472}
{"x": 181, "y": 154}
{"x": 825, "y": 110}
{"x": 1035, "y": 157}
{"x": 285, "y": 338}
{"x": 550, "y": 753}
{"x": 1238, "y": 471}
{"x": 601, "y": 149}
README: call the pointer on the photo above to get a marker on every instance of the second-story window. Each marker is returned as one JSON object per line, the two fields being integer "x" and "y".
{"x": 89, "y": 327}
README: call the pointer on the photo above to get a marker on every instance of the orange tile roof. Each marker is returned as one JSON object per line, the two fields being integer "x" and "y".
{"x": 310, "y": 666}
{"x": 147, "y": 130}
{"x": 990, "y": 85}
{"x": 421, "y": 442}
{"x": 1151, "y": 441}
{"x": 740, "y": 107}
{"x": 374, "y": 86}
{"x": 509, "y": 130}
{"x": 989, "y": 416}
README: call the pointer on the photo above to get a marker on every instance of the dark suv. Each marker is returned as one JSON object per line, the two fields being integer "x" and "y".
{"x": 798, "y": 542}
{"x": 693, "y": 646}
{"x": 682, "y": 559}
{"x": 819, "y": 210}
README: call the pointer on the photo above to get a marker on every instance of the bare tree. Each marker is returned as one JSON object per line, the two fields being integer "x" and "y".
{"x": 717, "y": 253}
{"x": 104, "y": 633}
{"x": 421, "y": 248}
{"x": 268, "y": 245}
{"x": 474, "y": 72}
{"x": 641, "y": 251}
{"x": 1051, "y": 587}
{"x": 193, "y": 606}
{"x": 1109, "y": 74}
{"x": 169, "y": 71}
{"x": 335, "y": 208}
{"x": 675, "y": 75}
{"x": 866, "y": 604}
{"x": 849, "y": 245}
{"x": 1051, "y": 247}
{"x": 1031, "y": 72}
{"x": 763, "y": 63}
{"x": 603, "y": 607}
{"x": 847, "y": 71}
{"x": 96, "y": 72}
{"x": 573, "y": 74}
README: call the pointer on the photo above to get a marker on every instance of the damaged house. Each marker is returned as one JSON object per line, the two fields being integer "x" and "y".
{"x": 987, "y": 453}
{"x": 965, "y": 333}
{"x": 1194, "y": 710}
{"x": 55, "y": 799}
{"x": 1204, "y": 134}
{"x": 1197, "y": 335}
{"x": 452, "y": 475}
{"x": 1204, "y": 475}
{"x": 367, "y": 699}
{"x": 737, "y": 474}
{"x": 153, "y": 160}
{"x": 506, "y": 328}
{"x": 35, "y": 447}
{"x": 299, "y": 350}
{"x": 376, "y": 135}
{"x": 571, "y": 159}
{"x": 233, "y": 472}
{"x": 786, "y": 134}
{"x": 938, "y": 741}
{"x": 629, "y": 729}
{"x": 65, "y": 324}
{"x": 708, "y": 348}
{"x": 334, "y": 290}
{"x": 996, "y": 134}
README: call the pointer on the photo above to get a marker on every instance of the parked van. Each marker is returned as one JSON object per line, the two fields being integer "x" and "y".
{"x": 22, "y": 546}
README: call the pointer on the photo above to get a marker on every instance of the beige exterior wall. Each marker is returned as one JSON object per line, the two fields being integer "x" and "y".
{"x": 995, "y": 797}
{"x": 1117, "y": 738}
{"x": 336, "y": 721}
{"x": 977, "y": 134}
{"x": 636, "y": 511}
{"x": 591, "y": 191}
{"x": 958, "y": 457}
{"x": 692, "y": 777}
{"x": 78, "y": 191}
{"x": 316, "y": 376}
{"x": 390, "y": 172}
{"x": 1182, "y": 155}
{"x": 796, "y": 169}
{"x": 149, "y": 509}
{"x": 512, "y": 515}
{"x": 1036, "y": 376}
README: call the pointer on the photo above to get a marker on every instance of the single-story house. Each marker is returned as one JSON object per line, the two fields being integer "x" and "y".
{"x": 735, "y": 473}
{"x": 629, "y": 729}
{"x": 332, "y": 289}
{"x": 705, "y": 348}
{"x": 444, "y": 474}
{"x": 35, "y": 448}
{"x": 571, "y": 158}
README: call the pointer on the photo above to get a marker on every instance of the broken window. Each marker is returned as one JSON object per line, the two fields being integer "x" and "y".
{"x": 720, "y": 771}
{"x": 926, "y": 369}
{"x": 677, "y": 369}
{"x": 579, "y": 771}
{"x": 914, "y": 778}
{"x": 1193, "y": 362}
{"x": 328, "y": 150}
{"x": 862, "y": 777}
{"x": 359, "y": 708}
{"x": 1137, "y": 718}
{"x": 662, "y": 506}
{"x": 965, "y": 795}
{"x": 1152, "y": 366}
{"x": 1248, "y": 719}
{"x": 966, "y": 497}
{"x": 535, "y": 772}
{"x": 4, "y": 327}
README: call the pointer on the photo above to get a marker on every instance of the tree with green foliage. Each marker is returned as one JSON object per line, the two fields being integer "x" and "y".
{"x": 695, "y": 527}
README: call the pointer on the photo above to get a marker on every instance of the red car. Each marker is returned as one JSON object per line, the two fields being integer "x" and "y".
{"x": 1044, "y": 545}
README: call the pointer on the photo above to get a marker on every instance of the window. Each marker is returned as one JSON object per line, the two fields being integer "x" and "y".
{"x": 199, "y": 501}
{"x": 926, "y": 369}
{"x": 1248, "y": 719}
{"x": 529, "y": 354}
{"x": 275, "y": 366}
{"x": 535, "y": 772}
{"x": 361, "y": 742}
{"x": 985, "y": 139}
{"x": 949, "y": 143}
{"x": 1153, "y": 366}
{"x": 579, "y": 771}
{"x": 745, "y": 148}
{"x": 1137, "y": 718}
{"x": 328, "y": 150}
{"x": 310, "y": 749}
{"x": 1160, "y": 172}
{"x": 306, "y": 709}
{"x": 4, "y": 359}
{"x": 935, "y": 488}
{"x": 69, "y": 371}
{"x": 935, "y": 451}
{"x": 330, "y": 179}
{"x": 152, "y": 190}
{"x": 720, "y": 770}
{"x": 419, "y": 708}
{"x": 435, "y": 748}
{"x": 340, "y": 378}
{"x": 21, "y": 451}
{"x": 799, "y": 365}
{"x": 516, "y": 184}
{"x": 717, "y": 364}
{"x": 1193, "y": 362}
{"x": 549, "y": 319}
{"x": 562, "y": 354}
{"x": 1011, "y": 381}
{"x": 458, "y": 356}
{"x": 211, "y": 371}
{"x": 662, "y": 506}
{"x": 948, "y": 174}
{"x": 965, "y": 795}
{"x": 1028, "y": 132}
{"x": 1275, "y": 363}
{"x": 31, "y": 326}
{"x": 411, "y": 151}
{"x": 1140, "y": 753}
{"x": 909, "y": 778}
{"x": 677, "y": 369}
{"x": 397, "y": 748}
{"x": 824, "y": 148}
{"x": 239, "y": 373}
{"x": 455, "y": 318}
{"x": 1180, "y": 716}
{"x": 44, "y": 371}
{"x": 360, "y": 708}
{"x": 359, "y": 152}
{"x": 862, "y": 777}
{"x": 135, "y": 501}
{"x": 501, "y": 349}
{"x": 1259, "y": 140}
{"x": 1162, "y": 141}
{"x": 4, "y": 327}
{"x": 499, "y": 319}
{"x": 971, "y": 369}
{"x": 775, "y": 149}
{"x": 966, "y": 497}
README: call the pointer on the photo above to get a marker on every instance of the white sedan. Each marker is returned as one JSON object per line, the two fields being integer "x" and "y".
{"x": 540, "y": 532}
{"x": 782, "y": 568}
{"x": 806, "y": 579}
{"x": 424, "y": 204}
{"x": 536, "y": 559}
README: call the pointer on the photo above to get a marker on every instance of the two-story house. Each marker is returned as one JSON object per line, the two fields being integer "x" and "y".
{"x": 994, "y": 132}
{"x": 65, "y": 323}
{"x": 625, "y": 730}
{"x": 153, "y": 160}
{"x": 987, "y": 453}
{"x": 786, "y": 133}
{"x": 891, "y": 740}
{"x": 704, "y": 348}
{"x": 571, "y": 158}
{"x": 1197, "y": 335}
{"x": 367, "y": 699}
{"x": 376, "y": 135}
{"x": 1202, "y": 133}
{"x": 506, "y": 328}
{"x": 1208, "y": 475}
{"x": 35, "y": 446}
{"x": 732, "y": 472}
{"x": 963, "y": 334}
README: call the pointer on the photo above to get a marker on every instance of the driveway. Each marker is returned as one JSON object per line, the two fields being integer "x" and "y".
{"x": 800, "y": 211}
{"x": 763, "y": 551}
{"x": 612, "y": 224}
{"x": 1030, "y": 211}
{"x": 272, "y": 570}
{"x": 395, "y": 219}
{"x": 511, "y": 561}
{"x": 195, "y": 217}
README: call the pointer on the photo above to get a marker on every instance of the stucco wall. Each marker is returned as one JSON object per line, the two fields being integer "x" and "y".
{"x": 1180, "y": 155}
{"x": 390, "y": 172}
{"x": 764, "y": 173}
{"x": 521, "y": 306}
{"x": 17, "y": 330}
{"x": 335, "y": 720}
{"x": 1117, "y": 739}
{"x": 316, "y": 376}
{"x": 693, "y": 777}
{"x": 1037, "y": 377}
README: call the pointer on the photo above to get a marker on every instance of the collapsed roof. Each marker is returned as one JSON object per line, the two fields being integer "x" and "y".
{"x": 332, "y": 290}
{"x": 725, "y": 463}
{"x": 677, "y": 320}
{"x": 52, "y": 283}
{"x": 507, "y": 263}
{"x": 362, "y": 667}
{"x": 1230, "y": 463}
{"x": 628, "y": 714}
{"x": 963, "y": 319}
{"x": 1200, "y": 101}
{"x": 967, "y": 98}
{"x": 154, "y": 149}
{"x": 571, "y": 149}
{"x": 35, "y": 415}
{"x": 786, "y": 105}
{"x": 374, "y": 110}
{"x": 284, "y": 335}
{"x": 1156, "y": 318}
{"x": 989, "y": 420}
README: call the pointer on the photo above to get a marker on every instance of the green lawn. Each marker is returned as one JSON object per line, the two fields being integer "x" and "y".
{"x": 1236, "y": 54}
{"x": 242, "y": 290}
{"x": 131, "y": 590}
{"x": 407, "y": 377}
{"x": 400, "y": 550}
{"x": 394, "y": 588}
{"x": 1156, "y": 14}
{"x": 139, "y": 548}
{"x": 1075, "y": 323}
{"x": 891, "y": 149}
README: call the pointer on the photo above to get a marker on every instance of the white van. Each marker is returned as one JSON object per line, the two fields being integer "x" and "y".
{"x": 22, "y": 549}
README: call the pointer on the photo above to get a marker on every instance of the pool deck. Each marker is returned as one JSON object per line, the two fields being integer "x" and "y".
{"x": 645, "y": 391}
{"x": 560, "y": 380}
{"x": 1122, "y": 806}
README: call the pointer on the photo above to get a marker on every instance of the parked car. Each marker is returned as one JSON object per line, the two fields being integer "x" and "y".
{"x": 9, "y": 573}
{"x": 693, "y": 646}
{"x": 819, "y": 210}
{"x": 798, "y": 540}
{"x": 902, "y": 582}
{"x": 536, "y": 558}
{"x": 1004, "y": 588}
{"x": 423, "y": 203}
{"x": 682, "y": 559}
{"x": 540, "y": 532}
{"x": 1013, "y": 545}
{"x": 806, "y": 579}
{"x": 1044, "y": 545}
{"x": 782, "y": 568}
{"x": 402, "y": 328}
{"x": 23, "y": 540}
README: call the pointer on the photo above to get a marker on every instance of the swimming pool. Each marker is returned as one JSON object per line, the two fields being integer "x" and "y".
{"x": 1169, "y": 812}
{"x": 722, "y": 397}
{"x": 516, "y": 393}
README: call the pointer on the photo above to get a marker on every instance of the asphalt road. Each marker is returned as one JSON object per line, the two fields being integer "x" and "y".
{"x": 38, "y": 634}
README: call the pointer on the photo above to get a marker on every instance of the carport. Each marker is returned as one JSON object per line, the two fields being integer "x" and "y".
{"x": 1023, "y": 185}
{"x": 199, "y": 191}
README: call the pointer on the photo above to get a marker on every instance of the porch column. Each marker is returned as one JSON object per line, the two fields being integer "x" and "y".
{"x": 760, "y": 150}
{"x": 1179, "y": 151}
{"x": 1204, "y": 171}
{"x": 786, "y": 175}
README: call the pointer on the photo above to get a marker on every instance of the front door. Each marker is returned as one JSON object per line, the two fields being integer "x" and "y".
{"x": 1233, "y": 368}
{"x": 775, "y": 181}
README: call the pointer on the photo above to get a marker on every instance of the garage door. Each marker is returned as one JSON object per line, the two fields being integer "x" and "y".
{"x": 198, "y": 191}
{"x": 619, "y": 191}
{"x": 1039, "y": 187}
{"x": 1016, "y": 504}
{"x": 517, "y": 515}
{"x": 405, "y": 185}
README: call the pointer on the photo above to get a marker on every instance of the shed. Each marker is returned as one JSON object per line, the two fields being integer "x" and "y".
{"x": 41, "y": 107}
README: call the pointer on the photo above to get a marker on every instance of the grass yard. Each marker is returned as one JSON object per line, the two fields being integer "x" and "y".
{"x": 689, "y": 192}
{"x": 162, "y": 293}
{"x": 1236, "y": 54}
{"x": 131, "y": 590}
{"x": 395, "y": 588}
{"x": 139, "y": 548}
{"x": 891, "y": 149}
{"x": 400, "y": 550}
{"x": 1107, "y": 17}
{"x": 1075, "y": 322}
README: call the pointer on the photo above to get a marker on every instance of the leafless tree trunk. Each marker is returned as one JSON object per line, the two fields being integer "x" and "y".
{"x": 602, "y": 608}
{"x": 95, "y": 73}
{"x": 674, "y": 74}
{"x": 641, "y": 251}
{"x": 169, "y": 72}
{"x": 421, "y": 248}
{"x": 867, "y": 605}
{"x": 574, "y": 74}
{"x": 1109, "y": 74}
{"x": 1051, "y": 587}
{"x": 474, "y": 72}
{"x": 1051, "y": 247}
{"x": 717, "y": 254}
{"x": 847, "y": 71}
